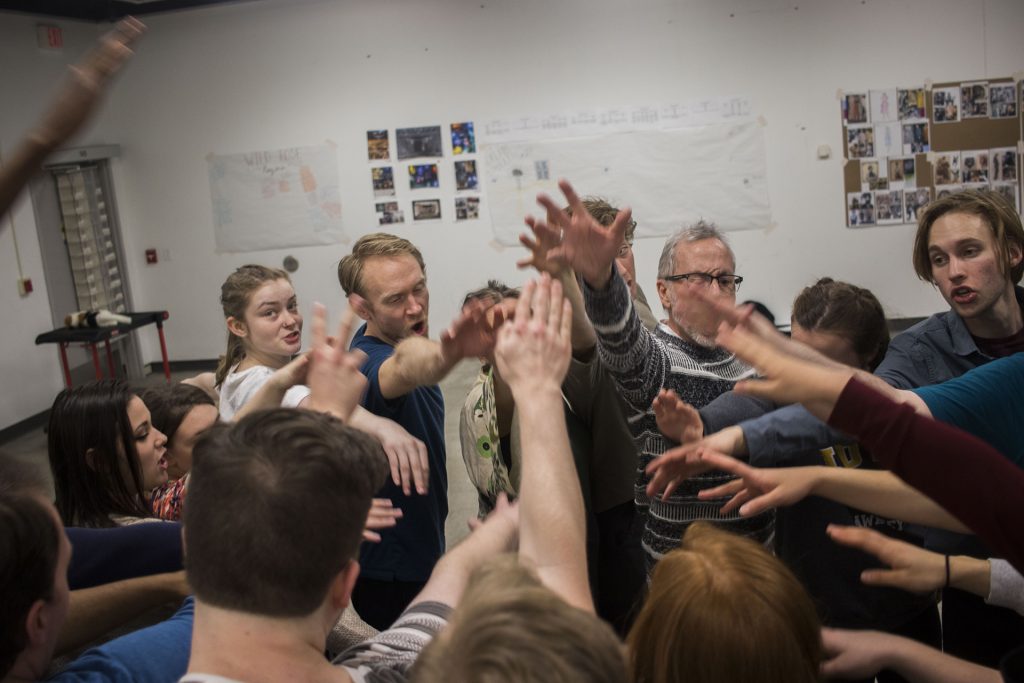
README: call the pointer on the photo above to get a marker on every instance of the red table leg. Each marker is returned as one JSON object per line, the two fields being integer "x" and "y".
{"x": 96, "y": 361}
{"x": 110, "y": 360}
{"x": 64, "y": 363}
{"x": 163, "y": 351}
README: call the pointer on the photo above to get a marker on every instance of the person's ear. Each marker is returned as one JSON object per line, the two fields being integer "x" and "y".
{"x": 666, "y": 302}
{"x": 340, "y": 591}
{"x": 360, "y": 305}
{"x": 1014, "y": 254}
{"x": 37, "y": 623}
{"x": 237, "y": 327}
{"x": 90, "y": 458}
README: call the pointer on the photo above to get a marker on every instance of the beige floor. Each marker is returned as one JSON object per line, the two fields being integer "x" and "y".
{"x": 462, "y": 500}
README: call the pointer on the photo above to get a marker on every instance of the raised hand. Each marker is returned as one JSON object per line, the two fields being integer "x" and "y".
{"x": 673, "y": 467}
{"x": 586, "y": 246}
{"x": 335, "y": 383}
{"x": 910, "y": 568}
{"x": 758, "y": 489}
{"x": 81, "y": 92}
{"x": 677, "y": 419}
{"x": 506, "y": 514}
{"x": 471, "y": 334}
{"x": 545, "y": 238}
{"x": 533, "y": 350}
{"x": 383, "y": 515}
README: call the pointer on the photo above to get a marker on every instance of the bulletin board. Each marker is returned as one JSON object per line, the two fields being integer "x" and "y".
{"x": 903, "y": 147}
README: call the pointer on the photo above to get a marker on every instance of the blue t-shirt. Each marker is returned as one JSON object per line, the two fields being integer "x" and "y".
{"x": 409, "y": 550}
{"x": 107, "y": 555}
{"x": 987, "y": 402}
{"x": 157, "y": 654}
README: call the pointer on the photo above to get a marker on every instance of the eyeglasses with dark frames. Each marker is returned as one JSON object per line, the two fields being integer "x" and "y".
{"x": 726, "y": 283}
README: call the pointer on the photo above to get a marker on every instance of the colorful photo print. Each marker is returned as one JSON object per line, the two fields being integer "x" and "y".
{"x": 888, "y": 139}
{"x": 889, "y": 207}
{"x": 915, "y": 138}
{"x": 902, "y": 173}
{"x": 974, "y": 167}
{"x": 947, "y": 168}
{"x": 911, "y": 104}
{"x": 467, "y": 208}
{"x": 422, "y": 176}
{"x": 426, "y": 209}
{"x": 855, "y": 108}
{"x": 1004, "y": 165}
{"x": 883, "y": 105}
{"x": 463, "y": 138}
{"x": 465, "y": 176}
{"x": 869, "y": 171}
{"x": 947, "y": 190}
{"x": 913, "y": 201}
{"x": 383, "y": 181}
{"x": 974, "y": 100}
{"x": 860, "y": 209}
{"x": 860, "y": 142}
{"x": 388, "y": 213}
{"x": 419, "y": 142}
{"x": 377, "y": 145}
{"x": 1010, "y": 191}
{"x": 945, "y": 105}
{"x": 1002, "y": 99}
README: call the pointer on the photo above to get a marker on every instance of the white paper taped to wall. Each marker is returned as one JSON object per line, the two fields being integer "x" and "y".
{"x": 669, "y": 177}
{"x": 276, "y": 199}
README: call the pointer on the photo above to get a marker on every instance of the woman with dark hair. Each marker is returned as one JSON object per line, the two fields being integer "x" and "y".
{"x": 183, "y": 413}
{"x": 105, "y": 455}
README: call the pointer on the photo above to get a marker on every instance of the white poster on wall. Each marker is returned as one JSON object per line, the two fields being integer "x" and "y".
{"x": 669, "y": 177}
{"x": 276, "y": 198}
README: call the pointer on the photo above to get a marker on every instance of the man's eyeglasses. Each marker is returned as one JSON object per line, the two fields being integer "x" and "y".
{"x": 726, "y": 283}
{"x": 624, "y": 248}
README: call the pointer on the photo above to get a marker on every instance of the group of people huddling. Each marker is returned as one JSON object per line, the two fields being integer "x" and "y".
{"x": 696, "y": 498}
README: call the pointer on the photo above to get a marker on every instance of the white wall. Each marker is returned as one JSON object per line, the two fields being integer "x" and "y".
{"x": 270, "y": 74}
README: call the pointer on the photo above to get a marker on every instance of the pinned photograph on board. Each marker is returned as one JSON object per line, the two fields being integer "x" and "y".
{"x": 388, "y": 213}
{"x": 883, "y": 105}
{"x": 946, "y": 105}
{"x": 1010, "y": 191}
{"x": 915, "y": 138}
{"x": 419, "y": 142}
{"x": 889, "y": 207}
{"x": 377, "y": 145}
{"x": 860, "y": 141}
{"x": 947, "y": 168}
{"x": 974, "y": 166}
{"x": 465, "y": 176}
{"x": 948, "y": 190}
{"x": 888, "y": 139}
{"x": 463, "y": 138}
{"x": 869, "y": 172}
{"x": 383, "y": 181}
{"x": 973, "y": 100}
{"x": 855, "y": 108}
{"x": 911, "y": 104}
{"x": 1002, "y": 99}
{"x": 1004, "y": 165}
{"x": 467, "y": 208}
{"x": 902, "y": 173}
{"x": 913, "y": 200}
{"x": 426, "y": 209}
{"x": 541, "y": 168}
{"x": 422, "y": 176}
{"x": 860, "y": 209}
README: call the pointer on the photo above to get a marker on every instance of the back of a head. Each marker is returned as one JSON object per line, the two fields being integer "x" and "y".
{"x": 276, "y": 507}
{"x": 29, "y": 546}
{"x": 379, "y": 244}
{"x": 509, "y": 628}
{"x": 847, "y": 311}
{"x": 992, "y": 207}
{"x": 90, "y": 446}
{"x": 604, "y": 213}
{"x": 169, "y": 404}
{"x": 722, "y": 608}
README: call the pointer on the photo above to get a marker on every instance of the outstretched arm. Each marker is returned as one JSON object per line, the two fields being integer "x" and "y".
{"x": 533, "y": 356}
{"x": 75, "y": 102}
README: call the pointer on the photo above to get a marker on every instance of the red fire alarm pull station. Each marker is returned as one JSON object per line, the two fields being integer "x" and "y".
{"x": 49, "y": 37}
{"x": 150, "y": 256}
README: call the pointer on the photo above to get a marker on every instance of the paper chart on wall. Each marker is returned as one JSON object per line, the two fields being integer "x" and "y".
{"x": 669, "y": 177}
{"x": 276, "y": 198}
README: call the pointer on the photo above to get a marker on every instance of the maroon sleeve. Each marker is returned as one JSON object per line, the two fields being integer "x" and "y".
{"x": 962, "y": 473}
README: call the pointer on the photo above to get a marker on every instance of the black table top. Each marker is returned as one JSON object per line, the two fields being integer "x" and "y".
{"x": 92, "y": 335}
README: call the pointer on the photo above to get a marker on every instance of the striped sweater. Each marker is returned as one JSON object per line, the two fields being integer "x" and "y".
{"x": 642, "y": 363}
